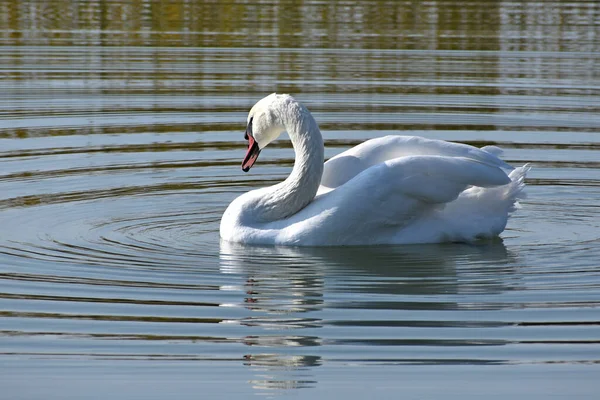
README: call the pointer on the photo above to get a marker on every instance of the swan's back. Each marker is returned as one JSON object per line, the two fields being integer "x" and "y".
{"x": 345, "y": 166}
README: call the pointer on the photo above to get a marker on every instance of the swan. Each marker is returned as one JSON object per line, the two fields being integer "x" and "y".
{"x": 388, "y": 190}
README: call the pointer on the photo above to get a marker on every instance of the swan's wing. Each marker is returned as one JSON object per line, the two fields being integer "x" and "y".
{"x": 430, "y": 179}
{"x": 390, "y": 195}
{"x": 345, "y": 166}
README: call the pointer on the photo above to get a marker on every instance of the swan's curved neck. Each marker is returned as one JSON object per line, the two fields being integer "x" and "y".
{"x": 290, "y": 196}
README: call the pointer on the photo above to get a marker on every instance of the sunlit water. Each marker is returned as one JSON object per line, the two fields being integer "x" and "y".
{"x": 121, "y": 138}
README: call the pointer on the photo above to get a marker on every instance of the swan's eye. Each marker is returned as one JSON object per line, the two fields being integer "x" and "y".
{"x": 249, "y": 129}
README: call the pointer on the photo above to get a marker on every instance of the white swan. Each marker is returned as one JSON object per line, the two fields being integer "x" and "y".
{"x": 390, "y": 190}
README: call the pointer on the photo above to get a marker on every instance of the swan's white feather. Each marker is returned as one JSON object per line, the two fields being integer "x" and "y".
{"x": 343, "y": 167}
{"x": 390, "y": 190}
{"x": 383, "y": 200}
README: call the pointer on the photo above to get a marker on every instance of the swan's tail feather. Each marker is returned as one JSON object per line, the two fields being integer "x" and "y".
{"x": 483, "y": 212}
{"x": 514, "y": 190}
{"x": 504, "y": 197}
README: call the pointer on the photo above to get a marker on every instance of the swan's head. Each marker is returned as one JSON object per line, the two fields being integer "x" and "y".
{"x": 264, "y": 126}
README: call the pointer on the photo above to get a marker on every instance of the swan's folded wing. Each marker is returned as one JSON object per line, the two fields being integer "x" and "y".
{"x": 396, "y": 191}
{"x": 347, "y": 165}
{"x": 432, "y": 179}
{"x": 380, "y": 201}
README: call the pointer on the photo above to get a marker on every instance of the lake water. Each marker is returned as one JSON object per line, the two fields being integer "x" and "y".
{"x": 121, "y": 138}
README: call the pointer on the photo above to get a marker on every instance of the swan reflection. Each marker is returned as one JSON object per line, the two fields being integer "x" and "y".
{"x": 279, "y": 281}
{"x": 271, "y": 370}
{"x": 284, "y": 284}
{"x": 292, "y": 279}
{"x": 288, "y": 293}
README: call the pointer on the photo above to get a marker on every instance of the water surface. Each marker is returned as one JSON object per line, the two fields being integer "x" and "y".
{"x": 121, "y": 138}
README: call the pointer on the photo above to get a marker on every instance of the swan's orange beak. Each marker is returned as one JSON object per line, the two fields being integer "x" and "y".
{"x": 251, "y": 154}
